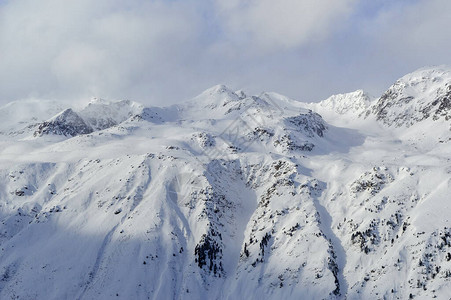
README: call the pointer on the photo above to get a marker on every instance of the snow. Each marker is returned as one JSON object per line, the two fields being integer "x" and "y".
{"x": 101, "y": 114}
{"x": 229, "y": 196}
{"x": 18, "y": 115}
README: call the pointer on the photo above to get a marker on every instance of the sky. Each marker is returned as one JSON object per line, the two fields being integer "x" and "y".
{"x": 161, "y": 52}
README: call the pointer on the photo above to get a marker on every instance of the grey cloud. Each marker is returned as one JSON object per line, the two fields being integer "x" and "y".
{"x": 78, "y": 48}
{"x": 162, "y": 52}
{"x": 275, "y": 25}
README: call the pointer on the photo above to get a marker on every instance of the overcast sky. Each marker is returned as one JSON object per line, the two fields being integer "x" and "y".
{"x": 165, "y": 51}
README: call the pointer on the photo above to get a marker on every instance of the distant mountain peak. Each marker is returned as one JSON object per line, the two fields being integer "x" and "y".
{"x": 415, "y": 97}
{"x": 17, "y": 115}
{"x": 218, "y": 89}
{"x": 97, "y": 100}
{"x": 241, "y": 94}
{"x": 216, "y": 95}
{"x": 66, "y": 123}
{"x": 102, "y": 114}
{"x": 354, "y": 102}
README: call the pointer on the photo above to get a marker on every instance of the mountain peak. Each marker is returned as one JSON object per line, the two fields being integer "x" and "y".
{"x": 241, "y": 94}
{"x": 214, "y": 98}
{"x": 101, "y": 114}
{"x": 217, "y": 92}
{"x": 417, "y": 96}
{"x": 18, "y": 115}
{"x": 427, "y": 73}
{"x": 348, "y": 103}
{"x": 218, "y": 89}
{"x": 66, "y": 123}
{"x": 97, "y": 100}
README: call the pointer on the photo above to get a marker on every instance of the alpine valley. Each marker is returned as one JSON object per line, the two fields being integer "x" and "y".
{"x": 230, "y": 196}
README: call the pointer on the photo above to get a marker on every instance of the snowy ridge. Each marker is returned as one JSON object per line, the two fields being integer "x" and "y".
{"x": 344, "y": 109}
{"x": 66, "y": 123}
{"x": 18, "y": 115}
{"x": 230, "y": 196}
{"x": 423, "y": 94}
{"x": 351, "y": 103}
{"x": 417, "y": 107}
{"x": 101, "y": 114}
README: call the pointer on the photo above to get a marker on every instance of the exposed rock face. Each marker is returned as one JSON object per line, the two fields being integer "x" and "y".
{"x": 421, "y": 95}
{"x": 310, "y": 124}
{"x": 67, "y": 123}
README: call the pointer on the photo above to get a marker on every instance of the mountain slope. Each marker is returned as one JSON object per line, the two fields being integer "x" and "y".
{"x": 231, "y": 196}
{"x": 417, "y": 108}
{"x": 66, "y": 123}
{"x": 424, "y": 94}
{"x": 18, "y": 115}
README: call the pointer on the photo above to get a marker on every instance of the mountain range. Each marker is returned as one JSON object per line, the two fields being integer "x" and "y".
{"x": 230, "y": 196}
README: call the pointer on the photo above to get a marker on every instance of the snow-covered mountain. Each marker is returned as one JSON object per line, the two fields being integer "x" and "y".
{"x": 230, "y": 196}
{"x": 16, "y": 116}
{"x": 422, "y": 95}
{"x": 66, "y": 123}
{"x": 352, "y": 104}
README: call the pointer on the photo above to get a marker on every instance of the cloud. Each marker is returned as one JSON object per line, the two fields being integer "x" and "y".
{"x": 284, "y": 23}
{"x": 165, "y": 51}
{"x": 396, "y": 38}
{"x": 418, "y": 32}
{"x": 77, "y": 48}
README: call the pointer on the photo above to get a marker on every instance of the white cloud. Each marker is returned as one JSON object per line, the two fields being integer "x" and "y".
{"x": 164, "y": 51}
{"x": 419, "y": 31}
{"x": 400, "y": 37}
{"x": 283, "y": 23}
{"x": 54, "y": 48}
